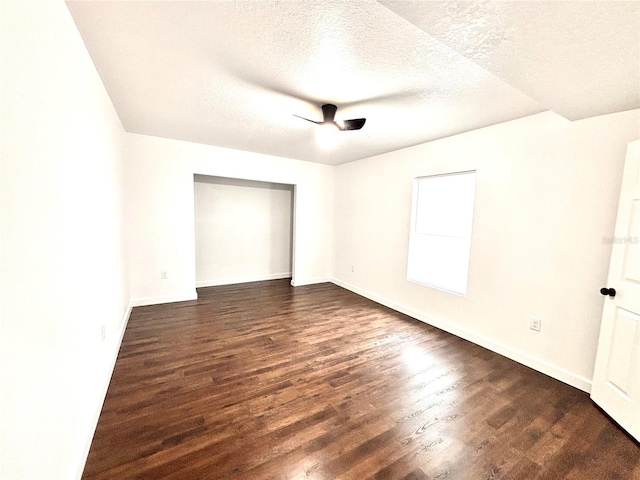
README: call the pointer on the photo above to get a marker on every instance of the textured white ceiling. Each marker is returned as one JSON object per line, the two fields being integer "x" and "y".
{"x": 233, "y": 74}
{"x": 577, "y": 58}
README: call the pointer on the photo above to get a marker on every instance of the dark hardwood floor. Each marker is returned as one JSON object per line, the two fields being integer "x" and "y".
{"x": 264, "y": 381}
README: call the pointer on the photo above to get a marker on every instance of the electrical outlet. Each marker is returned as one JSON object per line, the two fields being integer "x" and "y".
{"x": 103, "y": 332}
{"x": 535, "y": 324}
{"x": 353, "y": 269}
{"x": 163, "y": 275}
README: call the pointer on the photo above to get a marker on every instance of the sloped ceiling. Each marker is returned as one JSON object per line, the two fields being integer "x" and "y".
{"x": 234, "y": 73}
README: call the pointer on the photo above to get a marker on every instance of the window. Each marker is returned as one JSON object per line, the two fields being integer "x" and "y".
{"x": 440, "y": 237}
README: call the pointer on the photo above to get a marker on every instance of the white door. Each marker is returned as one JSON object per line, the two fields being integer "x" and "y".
{"x": 616, "y": 378}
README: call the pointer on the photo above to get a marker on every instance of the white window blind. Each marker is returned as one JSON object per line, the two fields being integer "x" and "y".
{"x": 440, "y": 238}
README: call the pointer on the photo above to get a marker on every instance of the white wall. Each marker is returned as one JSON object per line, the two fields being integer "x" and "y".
{"x": 546, "y": 195}
{"x": 62, "y": 262}
{"x": 160, "y": 211}
{"x": 243, "y": 230}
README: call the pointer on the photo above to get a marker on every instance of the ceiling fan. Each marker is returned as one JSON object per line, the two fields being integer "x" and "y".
{"x": 329, "y": 114}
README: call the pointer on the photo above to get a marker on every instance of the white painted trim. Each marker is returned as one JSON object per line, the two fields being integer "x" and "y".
{"x": 111, "y": 365}
{"x": 310, "y": 281}
{"x": 232, "y": 280}
{"x": 541, "y": 366}
{"x": 178, "y": 297}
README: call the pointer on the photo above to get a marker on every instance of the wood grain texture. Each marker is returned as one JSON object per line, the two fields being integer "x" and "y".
{"x": 267, "y": 381}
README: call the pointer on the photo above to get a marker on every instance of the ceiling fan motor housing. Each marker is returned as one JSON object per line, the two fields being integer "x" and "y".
{"x": 329, "y": 112}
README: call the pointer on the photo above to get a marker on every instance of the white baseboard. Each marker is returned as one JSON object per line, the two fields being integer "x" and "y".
{"x": 542, "y": 366}
{"x": 110, "y": 366}
{"x": 310, "y": 281}
{"x": 232, "y": 280}
{"x": 178, "y": 297}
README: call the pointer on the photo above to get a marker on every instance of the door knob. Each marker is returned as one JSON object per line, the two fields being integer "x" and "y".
{"x": 608, "y": 291}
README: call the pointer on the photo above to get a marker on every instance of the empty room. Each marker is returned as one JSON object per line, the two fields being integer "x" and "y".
{"x": 319, "y": 239}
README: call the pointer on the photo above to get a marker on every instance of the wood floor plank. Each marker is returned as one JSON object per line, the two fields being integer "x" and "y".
{"x": 266, "y": 381}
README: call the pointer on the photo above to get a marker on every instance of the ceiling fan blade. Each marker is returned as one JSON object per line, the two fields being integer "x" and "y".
{"x": 312, "y": 121}
{"x": 354, "y": 124}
